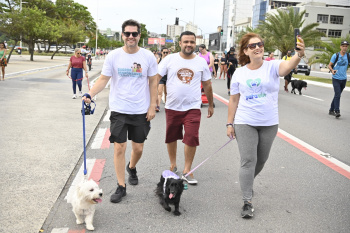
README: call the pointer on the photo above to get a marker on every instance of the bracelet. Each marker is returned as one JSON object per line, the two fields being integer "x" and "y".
{"x": 229, "y": 124}
{"x": 301, "y": 56}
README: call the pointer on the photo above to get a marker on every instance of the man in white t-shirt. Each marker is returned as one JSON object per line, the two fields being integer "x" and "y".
{"x": 132, "y": 101}
{"x": 186, "y": 72}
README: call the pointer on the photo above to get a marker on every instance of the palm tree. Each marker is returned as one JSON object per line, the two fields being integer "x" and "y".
{"x": 278, "y": 30}
{"x": 330, "y": 48}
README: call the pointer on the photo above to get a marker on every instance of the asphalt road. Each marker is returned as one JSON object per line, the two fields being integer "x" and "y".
{"x": 42, "y": 148}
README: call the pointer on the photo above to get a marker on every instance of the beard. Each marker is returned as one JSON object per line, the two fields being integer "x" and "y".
{"x": 187, "y": 50}
{"x": 133, "y": 43}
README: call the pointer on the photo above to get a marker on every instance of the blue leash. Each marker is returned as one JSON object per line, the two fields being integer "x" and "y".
{"x": 86, "y": 110}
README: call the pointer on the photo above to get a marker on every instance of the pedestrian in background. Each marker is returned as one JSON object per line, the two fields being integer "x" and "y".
{"x": 207, "y": 56}
{"x": 270, "y": 57}
{"x": 288, "y": 77}
{"x": 132, "y": 101}
{"x": 338, "y": 66}
{"x": 162, "y": 82}
{"x": 77, "y": 63}
{"x": 3, "y": 59}
{"x": 89, "y": 60}
{"x": 216, "y": 65}
{"x": 232, "y": 65}
{"x": 253, "y": 109}
{"x": 223, "y": 65}
{"x": 186, "y": 72}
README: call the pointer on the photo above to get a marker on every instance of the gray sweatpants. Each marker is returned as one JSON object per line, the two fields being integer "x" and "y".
{"x": 254, "y": 144}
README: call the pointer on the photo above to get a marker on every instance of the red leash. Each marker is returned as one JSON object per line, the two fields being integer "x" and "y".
{"x": 77, "y": 79}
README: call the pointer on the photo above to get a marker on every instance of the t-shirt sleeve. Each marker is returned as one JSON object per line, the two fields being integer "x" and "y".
{"x": 206, "y": 72}
{"x": 162, "y": 66}
{"x": 234, "y": 89}
{"x": 153, "y": 66}
{"x": 107, "y": 69}
{"x": 333, "y": 58}
{"x": 275, "y": 67}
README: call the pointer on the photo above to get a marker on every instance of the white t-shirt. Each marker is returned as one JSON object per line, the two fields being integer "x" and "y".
{"x": 258, "y": 89}
{"x": 129, "y": 89}
{"x": 184, "y": 81}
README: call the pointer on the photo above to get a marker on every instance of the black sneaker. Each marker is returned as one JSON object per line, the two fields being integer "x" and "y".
{"x": 337, "y": 114}
{"x": 119, "y": 193}
{"x": 133, "y": 179}
{"x": 247, "y": 210}
{"x": 332, "y": 113}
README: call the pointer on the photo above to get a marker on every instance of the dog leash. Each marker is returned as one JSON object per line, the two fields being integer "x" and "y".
{"x": 188, "y": 173}
{"x": 86, "y": 110}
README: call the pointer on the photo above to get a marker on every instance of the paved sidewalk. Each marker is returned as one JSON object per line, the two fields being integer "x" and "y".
{"x": 41, "y": 138}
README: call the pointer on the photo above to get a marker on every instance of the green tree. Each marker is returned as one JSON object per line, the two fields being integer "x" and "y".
{"x": 144, "y": 35}
{"x": 330, "y": 48}
{"x": 278, "y": 30}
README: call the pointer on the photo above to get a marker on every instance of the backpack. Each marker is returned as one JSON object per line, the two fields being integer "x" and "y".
{"x": 336, "y": 59}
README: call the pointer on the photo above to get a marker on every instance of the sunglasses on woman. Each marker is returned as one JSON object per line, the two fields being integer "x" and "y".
{"x": 134, "y": 34}
{"x": 165, "y": 52}
{"x": 253, "y": 45}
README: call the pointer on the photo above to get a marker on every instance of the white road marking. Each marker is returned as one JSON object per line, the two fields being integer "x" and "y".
{"x": 60, "y": 230}
{"x": 96, "y": 144}
{"x": 312, "y": 97}
{"x": 108, "y": 114}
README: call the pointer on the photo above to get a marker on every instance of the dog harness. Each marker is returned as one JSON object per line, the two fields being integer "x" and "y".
{"x": 167, "y": 174}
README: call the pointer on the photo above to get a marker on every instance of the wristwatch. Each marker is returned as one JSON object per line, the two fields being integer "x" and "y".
{"x": 229, "y": 124}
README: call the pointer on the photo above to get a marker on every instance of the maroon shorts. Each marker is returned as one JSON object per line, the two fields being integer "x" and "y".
{"x": 188, "y": 120}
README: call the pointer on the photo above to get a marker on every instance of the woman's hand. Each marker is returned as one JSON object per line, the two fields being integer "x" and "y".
{"x": 67, "y": 72}
{"x": 230, "y": 132}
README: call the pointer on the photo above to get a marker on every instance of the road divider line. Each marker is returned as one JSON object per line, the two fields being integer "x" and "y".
{"x": 106, "y": 143}
{"x": 98, "y": 140}
{"x": 108, "y": 114}
{"x": 322, "y": 157}
{"x": 60, "y": 230}
{"x": 312, "y": 97}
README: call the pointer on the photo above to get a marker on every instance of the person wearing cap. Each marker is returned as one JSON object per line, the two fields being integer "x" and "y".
{"x": 338, "y": 66}
{"x": 208, "y": 57}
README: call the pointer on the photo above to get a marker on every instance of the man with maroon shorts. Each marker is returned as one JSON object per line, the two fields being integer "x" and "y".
{"x": 186, "y": 72}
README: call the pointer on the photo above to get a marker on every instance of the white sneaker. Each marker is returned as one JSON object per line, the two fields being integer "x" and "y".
{"x": 80, "y": 94}
{"x": 189, "y": 179}
{"x": 74, "y": 96}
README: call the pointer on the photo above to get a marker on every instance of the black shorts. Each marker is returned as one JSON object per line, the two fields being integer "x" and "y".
{"x": 288, "y": 77}
{"x": 135, "y": 126}
{"x": 163, "y": 80}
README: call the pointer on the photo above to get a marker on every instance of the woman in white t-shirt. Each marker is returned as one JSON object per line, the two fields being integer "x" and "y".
{"x": 253, "y": 109}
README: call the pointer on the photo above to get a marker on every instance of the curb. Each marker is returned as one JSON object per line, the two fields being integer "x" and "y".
{"x": 26, "y": 71}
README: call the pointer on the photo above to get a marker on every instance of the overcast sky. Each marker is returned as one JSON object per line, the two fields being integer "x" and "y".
{"x": 156, "y": 14}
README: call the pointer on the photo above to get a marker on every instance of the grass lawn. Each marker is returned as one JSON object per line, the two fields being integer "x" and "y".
{"x": 316, "y": 79}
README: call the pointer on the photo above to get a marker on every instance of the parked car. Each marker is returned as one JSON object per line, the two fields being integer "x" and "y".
{"x": 303, "y": 67}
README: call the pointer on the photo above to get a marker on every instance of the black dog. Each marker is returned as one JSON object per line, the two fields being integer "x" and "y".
{"x": 170, "y": 193}
{"x": 298, "y": 84}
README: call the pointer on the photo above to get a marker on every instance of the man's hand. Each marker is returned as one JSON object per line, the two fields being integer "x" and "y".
{"x": 151, "y": 113}
{"x": 230, "y": 132}
{"x": 210, "y": 111}
{"x": 86, "y": 100}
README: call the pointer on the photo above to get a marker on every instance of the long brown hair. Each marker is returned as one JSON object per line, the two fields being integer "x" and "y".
{"x": 243, "y": 43}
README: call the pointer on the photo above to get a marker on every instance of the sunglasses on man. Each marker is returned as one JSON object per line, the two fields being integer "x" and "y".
{"x": 253, "y": 45}
{"x": 134, "y": 34}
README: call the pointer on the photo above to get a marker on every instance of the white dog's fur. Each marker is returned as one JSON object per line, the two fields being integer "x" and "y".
{"x": 84, "y": 199}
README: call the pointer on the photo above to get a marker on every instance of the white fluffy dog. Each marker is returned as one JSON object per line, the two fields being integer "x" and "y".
{"x": 84, "y": 199}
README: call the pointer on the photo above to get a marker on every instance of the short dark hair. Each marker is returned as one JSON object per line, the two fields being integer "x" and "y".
{"x": 164, "y": 48}
{"x": 187, "y": 33}
{"x": 202, "y": 46}
{"x": 131, "y": 22}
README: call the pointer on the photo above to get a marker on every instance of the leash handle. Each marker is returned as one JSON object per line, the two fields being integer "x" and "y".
{"x": 188, "y": 173}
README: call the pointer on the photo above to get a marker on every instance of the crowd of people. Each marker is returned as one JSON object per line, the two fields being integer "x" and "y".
{"x": 177, "y": 78}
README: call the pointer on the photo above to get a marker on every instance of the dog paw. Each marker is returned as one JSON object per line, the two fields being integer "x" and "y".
{"x": 90, "y": 227}
{"x": 168, "y": 208}
{"x": 79, "y": 221}
{"x": 177, "y": 213}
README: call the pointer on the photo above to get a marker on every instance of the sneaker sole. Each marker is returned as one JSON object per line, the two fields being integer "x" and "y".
{"x": 189, "y": 181}
{"x": 119, "y": 199}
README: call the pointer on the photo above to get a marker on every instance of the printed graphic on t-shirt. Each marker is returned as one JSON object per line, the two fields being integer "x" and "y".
{"x": 255, "y": 89}
{"x": 185, "y": 75}
{"x": 135, "y": 71}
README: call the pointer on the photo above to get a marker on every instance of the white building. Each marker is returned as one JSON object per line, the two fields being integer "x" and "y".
{"x": 191, "y": 27}
{"x": 174, "y": 30}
